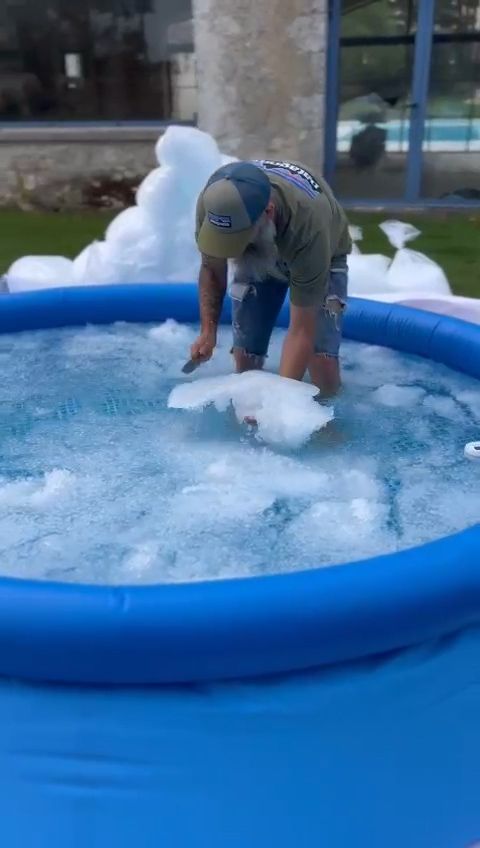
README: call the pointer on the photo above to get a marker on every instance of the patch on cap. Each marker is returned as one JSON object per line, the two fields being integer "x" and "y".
{"x": 222, "y": 221}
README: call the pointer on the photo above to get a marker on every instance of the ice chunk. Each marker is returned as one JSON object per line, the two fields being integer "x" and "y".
{"x": 356, "y": 234}
{"x": 412, "y": 271}
{"x": 129, "y": 227}
{"x": 367, "y": 273}
{"x": 159, "y": 196}
{"x": 444, "y": 498}
{"x": 363, "y": 531}
{"x": 137, "y": 249}
{"x": 192, "y": 153}
{"x": 40, "y": 272}
{"x": 471, "y": 399}
{"x": 36, "y": 494}
{"x": 284, "y": 409}
{"x": 227, "y": 160}
{"x": 391, "y": 395}
{"x": 398, "y": 232}
{"x": 100, "y": 264}
{"x": 139, "y": 562}
{"x": 173, "y": 342}
{"x": 444, "y": 406}
{"x": 172, "y": 335}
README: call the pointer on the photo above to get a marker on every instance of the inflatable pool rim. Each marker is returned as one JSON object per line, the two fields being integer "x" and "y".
{"x": 241, "y": 628}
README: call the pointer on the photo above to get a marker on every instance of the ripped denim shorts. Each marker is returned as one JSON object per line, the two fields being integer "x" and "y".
{"x": 256, "y": 306}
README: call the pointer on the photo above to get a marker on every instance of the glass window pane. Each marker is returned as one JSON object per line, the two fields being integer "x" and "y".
{"x": 451, "y": 143}
{"x": 457, "y": 16}
{"x": 96, "y": 59}
{"x": 374, "y": 98}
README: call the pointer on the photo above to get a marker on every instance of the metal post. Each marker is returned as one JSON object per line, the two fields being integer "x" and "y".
{"x": 331, "y": 89}
{"x": 420, "y": 90}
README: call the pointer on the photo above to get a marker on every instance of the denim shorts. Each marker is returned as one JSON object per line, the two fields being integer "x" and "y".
{"x": 256, "y": 306}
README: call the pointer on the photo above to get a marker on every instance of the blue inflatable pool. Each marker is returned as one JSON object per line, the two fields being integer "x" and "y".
{"x": 336, "y": 708}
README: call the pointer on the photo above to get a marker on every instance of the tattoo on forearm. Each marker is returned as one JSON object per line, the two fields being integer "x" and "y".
{"x": 212, "y": 288}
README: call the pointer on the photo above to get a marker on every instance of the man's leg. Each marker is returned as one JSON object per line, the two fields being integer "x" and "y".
{"x": 255, "y": 309}
{"x": 324, "y": 366}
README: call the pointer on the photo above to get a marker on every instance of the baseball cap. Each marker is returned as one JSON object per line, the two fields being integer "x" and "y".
{"x": 234, "y": 199}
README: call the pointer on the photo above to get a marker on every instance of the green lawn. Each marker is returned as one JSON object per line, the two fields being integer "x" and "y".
{"x": 65, "y": 233}
{"x": 452, "y": 239}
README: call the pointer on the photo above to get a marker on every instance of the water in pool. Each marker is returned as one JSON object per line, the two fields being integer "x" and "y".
{"x": 101, "y": 482}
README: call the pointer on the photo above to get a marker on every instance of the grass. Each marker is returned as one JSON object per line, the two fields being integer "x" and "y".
{"x": 451, "y": 239}
{"x": 64, "y": 234}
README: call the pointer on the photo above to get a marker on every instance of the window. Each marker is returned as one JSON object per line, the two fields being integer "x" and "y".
{"x": 376, "y": 71}
{"x": 406, "y": 129}
{"x": 84, "y": 60}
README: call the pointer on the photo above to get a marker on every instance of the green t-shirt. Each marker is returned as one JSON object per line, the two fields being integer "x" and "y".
{"x": 312, "y": 227}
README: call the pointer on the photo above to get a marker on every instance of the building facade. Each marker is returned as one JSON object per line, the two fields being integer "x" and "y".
{"x": 382, "y": 95}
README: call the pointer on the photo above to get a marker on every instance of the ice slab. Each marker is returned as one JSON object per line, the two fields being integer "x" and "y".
{"x": 284, "y": 409}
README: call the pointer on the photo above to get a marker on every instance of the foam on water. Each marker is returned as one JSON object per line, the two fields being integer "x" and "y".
{"x": 101, "y": 481}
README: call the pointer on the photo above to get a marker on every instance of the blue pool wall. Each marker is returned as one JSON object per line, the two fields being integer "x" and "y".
{"x": 334, "y": 707}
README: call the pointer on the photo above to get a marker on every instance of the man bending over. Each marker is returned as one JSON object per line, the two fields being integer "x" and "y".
{"x": 284, "y": 231}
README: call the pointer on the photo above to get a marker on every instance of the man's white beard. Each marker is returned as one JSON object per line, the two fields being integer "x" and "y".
{"x": 260, "y": 258}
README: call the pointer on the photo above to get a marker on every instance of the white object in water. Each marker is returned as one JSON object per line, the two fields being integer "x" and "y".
{"x": 472, "y": 450}
{"x": 284, "y": 409}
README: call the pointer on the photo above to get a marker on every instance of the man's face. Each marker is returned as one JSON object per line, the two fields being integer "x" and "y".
{"x": 260, "y": 256}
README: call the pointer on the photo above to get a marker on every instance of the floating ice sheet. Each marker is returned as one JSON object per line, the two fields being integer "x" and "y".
{"x": 285, "y": 411}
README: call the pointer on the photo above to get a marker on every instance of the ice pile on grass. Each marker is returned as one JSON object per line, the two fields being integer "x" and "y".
{"x": 154, "y": 240}
{"x": 285, "y": 411}
{"x": 408, "y": 273}
{"x": 150, "y": 242}
{"x": 356, "y": 234}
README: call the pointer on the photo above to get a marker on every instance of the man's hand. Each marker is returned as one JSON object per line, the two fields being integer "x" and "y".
{"x": 203, "y": 347}
{"x": 212, "y": 287}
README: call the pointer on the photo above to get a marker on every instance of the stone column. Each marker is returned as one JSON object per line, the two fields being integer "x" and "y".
{"x": 261, "y": 67}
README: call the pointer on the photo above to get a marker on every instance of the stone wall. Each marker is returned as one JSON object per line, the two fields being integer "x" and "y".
{"x": 261, "y": 69}
{"x": 261, "y": 82}
{"x": 65, "y": 168}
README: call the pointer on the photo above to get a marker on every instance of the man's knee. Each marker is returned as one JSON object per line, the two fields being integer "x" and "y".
{"x": 245, "y": 361}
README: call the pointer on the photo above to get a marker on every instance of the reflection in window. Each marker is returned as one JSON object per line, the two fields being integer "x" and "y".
{"x": 454, "y": 16}
{"x": 451, "y": 142}
{"x": 376, "y": 61}
{"x": 96, "y": 59}
{"x": 375, "y": 106}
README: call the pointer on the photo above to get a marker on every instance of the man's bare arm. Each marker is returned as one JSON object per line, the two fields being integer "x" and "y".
{"x": 299, "y": 342}
{"x": 212, "y": 285}
{"x": 212, "y": 288}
